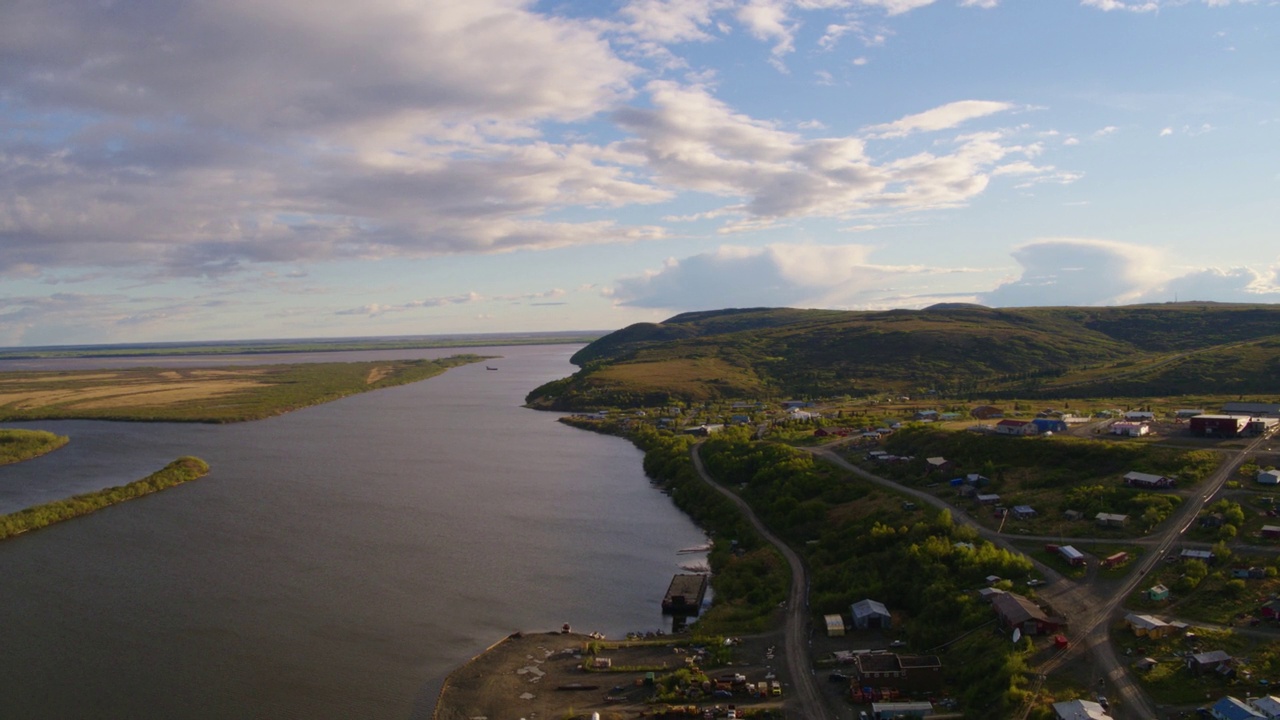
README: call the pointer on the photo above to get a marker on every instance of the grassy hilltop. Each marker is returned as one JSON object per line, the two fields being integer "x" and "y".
{"x": 1168, "y": 349}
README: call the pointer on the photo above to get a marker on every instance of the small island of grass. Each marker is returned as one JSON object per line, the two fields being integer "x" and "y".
{"x": 39, "y": 516}
{"x": 18, "y": 445}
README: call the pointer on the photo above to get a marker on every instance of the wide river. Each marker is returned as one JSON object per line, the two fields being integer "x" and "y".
{"x": 337, "y": 562}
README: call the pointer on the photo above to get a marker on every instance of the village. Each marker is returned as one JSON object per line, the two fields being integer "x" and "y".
{"x": 1197, "y": 627}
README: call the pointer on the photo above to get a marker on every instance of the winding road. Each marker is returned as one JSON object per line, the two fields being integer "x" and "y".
{"x": 805, "y": 698}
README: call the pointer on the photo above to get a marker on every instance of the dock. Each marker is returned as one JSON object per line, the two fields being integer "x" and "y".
{"x": 685, "y": 595}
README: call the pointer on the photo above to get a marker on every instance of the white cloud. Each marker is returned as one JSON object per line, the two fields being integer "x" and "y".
{"x": 671, "y": 21}
{"x": 1070, "y": 271}
{"x": 1166, "y": 132}
{"x": 940, "y": 118}
{"x": 897, "y": 7}
{"x": 694, "y": 141}
{"x": 796, "y": 275}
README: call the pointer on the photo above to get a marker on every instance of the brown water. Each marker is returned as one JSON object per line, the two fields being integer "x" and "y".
{"x": 337, "y": 562}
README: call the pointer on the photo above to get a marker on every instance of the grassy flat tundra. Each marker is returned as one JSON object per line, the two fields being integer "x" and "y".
{"x": 18, "y": 445}
{"x": 214, "y": 395}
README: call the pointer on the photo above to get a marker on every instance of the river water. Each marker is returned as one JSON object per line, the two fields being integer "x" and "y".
{"x": 337, "y": 562}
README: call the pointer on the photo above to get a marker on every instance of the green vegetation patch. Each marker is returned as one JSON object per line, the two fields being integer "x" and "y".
{"x": 38, "y": 516}
{"x": 17, "y": 445}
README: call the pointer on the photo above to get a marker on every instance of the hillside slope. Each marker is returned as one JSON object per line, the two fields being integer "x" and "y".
{"x": 955, "y": 349}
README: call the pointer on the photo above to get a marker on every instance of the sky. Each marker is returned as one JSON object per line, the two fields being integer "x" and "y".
{"x": 279, "y": 168}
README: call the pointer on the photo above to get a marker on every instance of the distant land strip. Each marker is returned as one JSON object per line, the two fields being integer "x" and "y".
{"x": 39, "y": 516}
{"x": 209, "y": 394}
{"x": 261, "y": 347}
{"x": 17, "y": 445}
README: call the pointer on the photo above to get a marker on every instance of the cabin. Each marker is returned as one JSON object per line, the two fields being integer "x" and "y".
{"x": 1024, "y": 512}
{"x": 1269, "y": 477}
{"x": 1268, "y": 705}
{"x": 704, "y": 430}
{"x": 938, "y": 464}
{"x": 1016, "y": 611}
{"x": 1204, "y": 556}
{"x": 1214, "y": 661}
{"x": 1139, "y": 416}
{"x": 1148, "y": 626}
{"x": 1148, "y": 481}
{"x": 1111, "y": 520}
{"x": 1079, "y": 710}
{"x": 871, "y": 614}
{"x": 987, "y": 498}
{"x": 1073, "y": 515}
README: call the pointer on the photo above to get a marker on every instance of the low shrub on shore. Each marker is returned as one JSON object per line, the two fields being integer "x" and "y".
{"x": 39, "y": 516}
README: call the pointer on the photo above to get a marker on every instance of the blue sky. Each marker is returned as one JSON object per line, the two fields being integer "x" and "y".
{"x": 251, "y": 169}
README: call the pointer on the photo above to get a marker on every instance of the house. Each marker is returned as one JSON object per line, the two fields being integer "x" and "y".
{"x": 1212, "y": 520}
{"x": 987, "y": 498}
{"x": 1268, "y": 705}
{"x": 1047, "y": 425}
{"x": 986, "y": 412}
{"x": 908, "y": 673}
{"x": 795, "y": 404}
{"x": 926, "y": 415}
{"x": 1249, "y": 573}
{"x": 871, "y": 614}
{"x": 1270, "y": 609}
{"x": 835, "y": 625}
{"x": 1146, "y": 664}
{"x": 1148, "y": 626}
{"x": 949, "y": 416}
{"x": 1023, "y": 512}
{"x": 1016, "y": 427}
{"x": 1229, "y": 708}
{"x": 1269, "y": 477}
{"x": 987, "y": 593}
{"x": 1157, "y": 592}
{"x": 1218, "y": 425}
{"x": 1016, "y": 611}
{"x": 938, "y": 464}
{"x": 1202, "y": 555}
{"x": 1139, "y": 416}
{"x": 1187, "y": 413}
{"x": 1074, "y": 557}
{"x": 704, "y": 430}
{"x": 1214, "y": 661}
{"x": 1080, "y": 710}
{"x": 1148, "y": 481}
{"x": 1111, "y": 519}
{"x": 1271, "y": 532}
{"x": 1073, "y": 515}
{"x": 1130, "y": 429}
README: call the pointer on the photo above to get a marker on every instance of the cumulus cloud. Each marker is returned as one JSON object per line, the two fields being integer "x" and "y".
{"x": 797, "y": 275}
{"x": 692, "y": 140}
{"x": 1239, "y": 284}
{"x": 201, "y": 138}
{"x": 1070, "y": 271}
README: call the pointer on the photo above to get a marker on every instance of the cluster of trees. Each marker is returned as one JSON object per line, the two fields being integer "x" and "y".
{"x": 38, "y": 516}
{"x": 749, "y": 578}
{"x": 17, "y": 445}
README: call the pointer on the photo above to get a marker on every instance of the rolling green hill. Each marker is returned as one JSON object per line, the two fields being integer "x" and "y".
{"x": 1175, "y": 348}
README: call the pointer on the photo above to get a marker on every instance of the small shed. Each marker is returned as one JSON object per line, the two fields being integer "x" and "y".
{"x": 835, "y": 626}
{"x": 1073, "y": 515}
{"x": 1023, "y": 512}
{"x": 1157, "y": 592}
{"x": 871, "y": 614}
{"x": 988, "y": 498}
